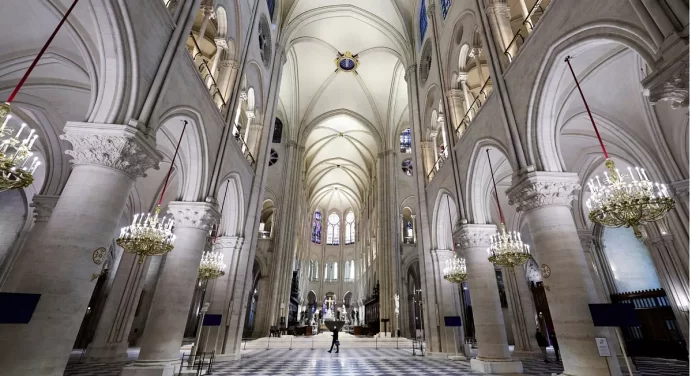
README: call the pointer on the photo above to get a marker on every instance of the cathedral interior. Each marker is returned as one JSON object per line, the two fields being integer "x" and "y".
{"x": 445, "y": 187}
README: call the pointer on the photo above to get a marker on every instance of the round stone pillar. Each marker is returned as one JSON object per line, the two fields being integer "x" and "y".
{"x": 59, "y": 266}
{"x": 545, "y": 198}
{"x": 491, "y": 335}
{"x": 43, "y": 209}
{"x": 163, "y": 335}
{"x": 451, "y": 338}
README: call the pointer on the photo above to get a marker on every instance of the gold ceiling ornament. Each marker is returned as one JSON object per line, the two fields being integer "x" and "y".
{"x": 151, "y": 235}
{"x": 506, "y": 248}
{"x": 17, "y": 166}
{"x": 455, "y": 270}
{"x": 627, "y": 199}
{"x": 346, "y": 62}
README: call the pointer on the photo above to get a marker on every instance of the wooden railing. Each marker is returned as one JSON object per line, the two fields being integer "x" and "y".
{"x": 208, "y": 76}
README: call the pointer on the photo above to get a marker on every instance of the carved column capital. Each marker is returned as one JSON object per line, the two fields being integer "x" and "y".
{"x": 498, "y": 8}
{"x": 462, "y": 77}
{"x": 229, "y": 242}
{"x": 474, "y": 236}
{"x": 120, "y": 147}
{"x": 233, "y": 64}
{"x": 410, "y": 70}
{"x": 475, "y": 52}
{"x": 586, "y": 238}
{"x": 198, "y": 215}
{"x": 455, "y": 93}
{"x": 221, "y": 43}
{"x": 538, "y": 189}
{"x": 670, "y": 84}
{"x": 43, "y": 207}
{"x": 430, "y": 11}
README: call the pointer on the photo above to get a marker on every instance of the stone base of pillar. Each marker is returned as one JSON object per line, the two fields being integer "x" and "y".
{"x": 152, "y": 368}
{"x": 527, "y": 354}
{"x": 226, "y": 357}
{"x": 497, "y": 366}
{"x": 110, "y": 353}
{"x": 441, "y": 355}
{"x": 384, "y": 335}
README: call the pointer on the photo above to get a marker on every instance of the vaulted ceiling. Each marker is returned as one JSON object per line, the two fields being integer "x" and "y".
{"x": 344, "y": 118}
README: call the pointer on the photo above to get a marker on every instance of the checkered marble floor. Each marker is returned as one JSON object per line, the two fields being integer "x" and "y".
{"x": 366, "y": 362}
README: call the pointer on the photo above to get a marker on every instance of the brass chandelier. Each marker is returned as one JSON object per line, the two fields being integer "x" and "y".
{"x": 506, "y": 248}
{"x": 151, "y": 235}
{"x": 627, "y": 199}
{"x": 455, "y": 270}
{"x": 212, "y": 265}
{"x": 16, "y": 165}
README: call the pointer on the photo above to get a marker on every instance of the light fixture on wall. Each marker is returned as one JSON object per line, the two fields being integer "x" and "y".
{"x": 455, "y": 270}
{"x": 212, "y": 265}
{"x": 151, "y": 235}
{"x": 506, "y": 248}
{"x": 16, "y": 165}
{"x": 627, "y": 199}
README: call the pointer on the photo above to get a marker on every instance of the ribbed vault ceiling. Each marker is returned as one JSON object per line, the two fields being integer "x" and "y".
{"x": 343, "y": 118}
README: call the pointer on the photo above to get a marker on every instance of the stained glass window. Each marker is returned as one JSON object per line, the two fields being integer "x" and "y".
{"x": 445, "y": 7}
{"x": 407, "y": 167}
{"x": 423, "y": 21}
{"x": 270, "y": 6}
{"x": 278, "y": 130}
{"x": 405, "y": 140}
{"x": 350, "y": 228}
{"x": 333, "y": 229}
{"x": 317, "y": 227}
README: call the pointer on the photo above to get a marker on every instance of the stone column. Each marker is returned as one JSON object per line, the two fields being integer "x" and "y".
{"x": 451, "y": 339}
{"x": 523, "y": 312}
{"x": 491, "y": 335}
{"x": 163, "y": 334}
{"x": 43, "y": 208}
{"x": 475, "y": 54}
{"x": 221, "y": 47}
{"x": 208, "y": 12}
{"x": 455, "y": 99}
{"x": 220, "y": 302}
{"x": 461, "y": 82}
{"x": 498, "y": 17}
{"x": 254, "y": 135}
{"x": 546, "y": 199}
{"x": 107, "y": 159}
{"x": 228, "y": 69}
{"x": 111, "y": 338}
{"x": 428, "y": 156}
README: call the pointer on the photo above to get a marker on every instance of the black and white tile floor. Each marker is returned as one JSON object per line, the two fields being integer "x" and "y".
{"x": 365, "y": 362}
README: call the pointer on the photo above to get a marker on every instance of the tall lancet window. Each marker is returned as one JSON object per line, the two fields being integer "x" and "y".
{"x": 405, "y": 140}
{"x": 317, "y": 227}
{"x": 350, "y": 228}
{"x": 333, "y": 229}
{"x": 335, "y": 270}
{"x": 423, "y": 22}
{"x": 445, "y": 7}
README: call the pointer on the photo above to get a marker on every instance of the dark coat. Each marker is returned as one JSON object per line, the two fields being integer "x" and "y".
{"x": 335, "y": 334}
{"x": 553, "y": 340}
{"x": 542, "y": 342}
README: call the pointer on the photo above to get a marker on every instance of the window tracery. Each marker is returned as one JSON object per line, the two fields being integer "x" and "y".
{"x": 333, "y": 229}
{"x": 350, "y": 228}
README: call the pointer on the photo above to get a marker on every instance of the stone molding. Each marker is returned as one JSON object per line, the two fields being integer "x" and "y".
{"x": 455, "y": 93}
{"x": 384, "y": 153}
{"x": 121, "y": 147}
{"x": 409, "y": 71}
{"x": 586, "y": 238}
{"x": 681, "y": 188}
{"x": 198, "y": 215}
{"x": 229, "y": 64}
{"x": 462, "y": 77}
{"x": 498, "y": 9}
{"x": 43, "y": 207}
{"x": 229, "y": 242}
{"x": 430, "y": 11}
{"x": 538, "y": 189}
{"x": 474, "y": 236}
{"x": 670, "y": 84}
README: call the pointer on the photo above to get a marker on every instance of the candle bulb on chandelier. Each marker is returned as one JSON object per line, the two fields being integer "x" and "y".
{"x": 4, "y": 123}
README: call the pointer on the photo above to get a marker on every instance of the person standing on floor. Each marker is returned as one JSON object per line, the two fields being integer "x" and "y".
{"x": 553, "y": 341}
{"x": 542, "y": 343}
{"x": 335, "y": 340}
